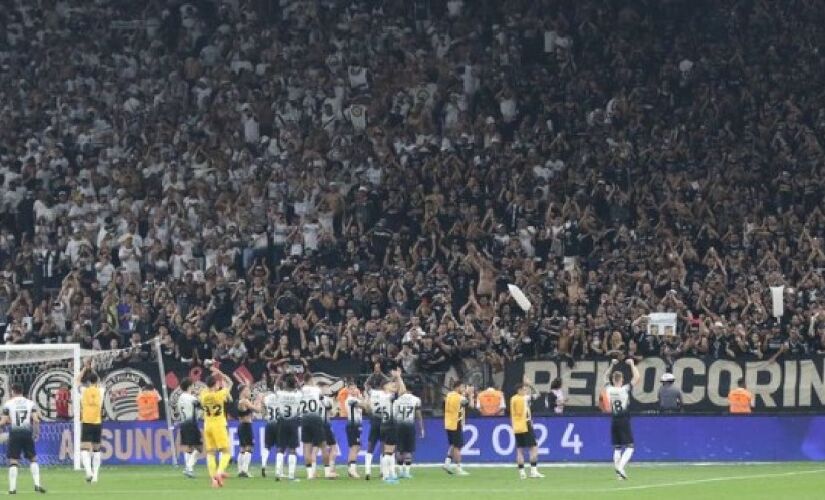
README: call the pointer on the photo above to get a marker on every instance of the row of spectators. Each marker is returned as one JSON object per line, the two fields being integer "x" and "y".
{"x": 360, "y": 180}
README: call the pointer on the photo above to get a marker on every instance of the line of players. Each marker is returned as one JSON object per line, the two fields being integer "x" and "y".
{"x": 299, "y": 404}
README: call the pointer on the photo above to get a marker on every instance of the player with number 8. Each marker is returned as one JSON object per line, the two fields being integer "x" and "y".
{"x": 618, "y": 395}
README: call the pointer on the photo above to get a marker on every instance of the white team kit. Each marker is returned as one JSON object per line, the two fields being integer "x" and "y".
{"x": 20, "y": 414}
{"x": 404, "y": 411}
{"x": 620, "y": 431}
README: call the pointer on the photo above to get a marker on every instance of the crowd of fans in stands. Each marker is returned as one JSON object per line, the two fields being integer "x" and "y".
{"x": 360, "y": 179}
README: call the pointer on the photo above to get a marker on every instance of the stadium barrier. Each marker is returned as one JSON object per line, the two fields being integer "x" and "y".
{"x": 490, "y": 440}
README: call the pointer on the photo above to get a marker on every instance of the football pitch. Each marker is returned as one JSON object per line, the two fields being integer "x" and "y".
{"x": 799, "y": 481}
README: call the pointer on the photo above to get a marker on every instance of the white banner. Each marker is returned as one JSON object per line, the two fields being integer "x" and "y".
{"x": 778, "y": 299}
{"x": 661, "y": 324}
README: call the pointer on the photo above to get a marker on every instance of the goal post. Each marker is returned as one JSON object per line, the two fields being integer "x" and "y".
{"x": 43, "y": 370}
{"x": 48, "y": 374}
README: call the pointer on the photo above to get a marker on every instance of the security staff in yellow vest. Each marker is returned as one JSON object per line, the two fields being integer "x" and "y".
{"x": 91, "y": 418}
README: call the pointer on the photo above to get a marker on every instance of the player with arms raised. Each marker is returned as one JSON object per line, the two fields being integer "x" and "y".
{"x": 289, "y": 410}
{"x": 381, "y": 404}
{"x": 190, "y": 435}
{"x": 355, "y": 413}
{"x": 521, "y": 418}
{"x": 213, "y": 400}
{"x": 455, "y": 407}
{"x": 91, "y": 419}
{"x": 21, "y": 415}
{"x": 312, "y": 423}
{"x": 618, "y": 396}
{"x": 406, "y": 411}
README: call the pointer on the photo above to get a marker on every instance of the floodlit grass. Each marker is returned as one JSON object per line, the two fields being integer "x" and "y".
{"x": 797, "y": 481}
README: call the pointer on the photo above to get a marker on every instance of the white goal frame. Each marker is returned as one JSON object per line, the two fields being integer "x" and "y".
{"x": 72, "y": 352}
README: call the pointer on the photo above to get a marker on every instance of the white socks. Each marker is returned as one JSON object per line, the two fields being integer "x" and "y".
{"x": 279, "y": 464}
{"x": 368, "y": 464}
{"x": 86, "y": 459}
{"x": 617, "y": 458}
{"x": 628, "y": 452}
{"x": 95, "y": 465}
{"x": 293, "y": 461}
{"x": 244, "y": 461}
{"x": 388, "y": 466}
{"x": 264, "y": 458}
{"x": 311, "y": 471}
{"x": 191, "y": 459}
{"x": 35, "y": 469}
{"x": 447, "y": 462}
{"x": 13, "y": 478}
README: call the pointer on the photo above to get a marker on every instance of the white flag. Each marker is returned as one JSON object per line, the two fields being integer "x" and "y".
{"x": 778, "y": 299}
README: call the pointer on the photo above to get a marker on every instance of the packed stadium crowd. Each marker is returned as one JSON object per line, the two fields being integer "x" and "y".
{"x": 360, "y": 180}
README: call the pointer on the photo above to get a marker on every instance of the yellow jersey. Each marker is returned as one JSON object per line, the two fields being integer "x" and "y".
{"x": 91, "y": 405}
{"x": 520, "y": 414}
{"x": 213, "y": 402}
{"x": 454, "y": 405}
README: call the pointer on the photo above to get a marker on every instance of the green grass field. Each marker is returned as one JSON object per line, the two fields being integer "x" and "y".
{"x": 796, "y": 481}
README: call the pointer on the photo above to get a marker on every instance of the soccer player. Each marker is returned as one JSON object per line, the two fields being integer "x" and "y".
{"x": 618, "y": 395}
{"x": 246, "y": 438}
{"x": 407, "y": 411}
{"x": 355, "y": 412}
{"x": 330, "y": 451}
{"x": 381, "y": 403}
{"x": 289, "y": 404}
{"x": 521, "y": 418}
{"x": 374, "y": 436}
{"x": 21, "y": 415}
{"x": 312, "y": 423}
{"x": 213, "y": 401}
{"x": 272, "y": 414}
{"x": 455, "y": 407}
{"x": 190, "y": 435}
{"x": 91, "y": 417}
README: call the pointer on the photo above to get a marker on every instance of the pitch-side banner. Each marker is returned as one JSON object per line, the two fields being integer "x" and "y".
{"x": 784, "y": 386}
{"x": 562, "y": 438}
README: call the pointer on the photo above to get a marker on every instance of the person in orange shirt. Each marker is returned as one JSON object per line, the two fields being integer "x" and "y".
{"x": 741, "y": 400}
{"x": 147, "y": 403}
{"x": 490, "y": 402}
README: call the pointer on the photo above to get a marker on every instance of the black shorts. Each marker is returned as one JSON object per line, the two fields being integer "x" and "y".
{"x": 245, "y": 435}
{"x": 353, "y": 435}
{"x": 312, "y": 430}
{"x": 406, "y": 438}
{"x": 456, "y": 438}
{"x": 21, "y": 444}
{"x": 620, "y": 432}
{"x": 288, "y": 434}
{"x": 389, "y": 434}
{"x": 90, "y": 433}
{"x": 329, "y": 435}
{"x": 526, "y": 439}
{"x": 374, "y": 435}
{"x": 271, "y": 435}
{"x": 190, "y": 435}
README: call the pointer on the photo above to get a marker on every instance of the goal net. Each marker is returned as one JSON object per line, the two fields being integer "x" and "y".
{"x": 47, "y": 374}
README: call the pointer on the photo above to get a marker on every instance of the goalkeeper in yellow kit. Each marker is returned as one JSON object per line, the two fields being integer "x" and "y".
{"x": 213, "y": 401}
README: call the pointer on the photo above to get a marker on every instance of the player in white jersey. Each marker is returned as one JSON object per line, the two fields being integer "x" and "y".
{"x": 190, "y": 435}
{"x": 381, "y": 402}
{"x": 272, "y": 412}
{"x": 355, "y": 415}
{"x": 406, "y": 411}
{"x": 289, "y": 413}
{"x": 330, "y": 450}
{"x": 618, "y": 394}
{"x": 312, "y": 423}
{"x": 23, "y": 419}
